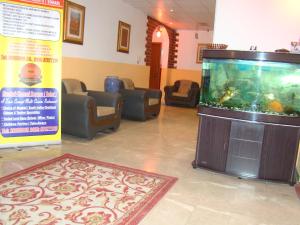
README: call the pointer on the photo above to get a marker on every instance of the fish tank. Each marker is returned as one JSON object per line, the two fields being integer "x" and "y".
{"x": 252, "y": 84}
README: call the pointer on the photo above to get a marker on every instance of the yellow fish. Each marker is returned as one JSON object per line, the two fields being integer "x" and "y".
{"x": 229, "y": 93}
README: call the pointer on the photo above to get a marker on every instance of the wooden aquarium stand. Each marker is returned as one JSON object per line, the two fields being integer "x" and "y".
{"x": 229, "y": 143}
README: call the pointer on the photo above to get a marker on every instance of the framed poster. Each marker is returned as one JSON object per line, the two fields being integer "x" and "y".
{"x": 74, "y": 23}
{"x": 123, "y": 37}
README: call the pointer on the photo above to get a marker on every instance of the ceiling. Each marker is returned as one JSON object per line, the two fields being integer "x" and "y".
{"x": 179, "y": 14}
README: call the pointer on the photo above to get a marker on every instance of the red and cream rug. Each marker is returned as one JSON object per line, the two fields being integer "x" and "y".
{"x": 75, "y": 190}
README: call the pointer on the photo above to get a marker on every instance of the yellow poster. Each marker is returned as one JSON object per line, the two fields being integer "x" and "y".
{"x": 30, "y": 72}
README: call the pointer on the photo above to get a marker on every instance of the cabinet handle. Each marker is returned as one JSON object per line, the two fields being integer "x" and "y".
{"x": 203, "y": 162}
{"x": 224, "y": 146}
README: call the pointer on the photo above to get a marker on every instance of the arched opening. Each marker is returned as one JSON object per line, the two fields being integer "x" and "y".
{"x": 164, "y": 39}
{"x": 159, "y": 58}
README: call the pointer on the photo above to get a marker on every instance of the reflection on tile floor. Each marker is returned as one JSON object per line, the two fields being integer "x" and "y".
{"x": 167, "y": 145}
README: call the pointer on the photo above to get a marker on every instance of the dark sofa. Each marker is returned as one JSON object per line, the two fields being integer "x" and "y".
{"x": 86, "y": 112}
{"x": 139, "y": 103}
{"x": 186, "y": 97}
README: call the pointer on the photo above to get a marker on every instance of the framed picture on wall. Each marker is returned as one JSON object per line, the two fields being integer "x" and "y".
{"x": 123, "y": 37}
{"x": 200, "y": 48}
{"x": 74, "y": 23}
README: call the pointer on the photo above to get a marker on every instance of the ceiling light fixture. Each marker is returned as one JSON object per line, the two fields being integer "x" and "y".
{"x": 171, "y": 10}
{"x": 158, "y": 32}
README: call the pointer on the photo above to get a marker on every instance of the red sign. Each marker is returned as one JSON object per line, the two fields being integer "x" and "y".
{"x": 51, "y": 3}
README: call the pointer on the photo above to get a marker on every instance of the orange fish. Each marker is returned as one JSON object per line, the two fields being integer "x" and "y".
{"x": 276, "y": 106}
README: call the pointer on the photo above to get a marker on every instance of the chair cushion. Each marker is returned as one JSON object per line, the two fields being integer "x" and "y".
{"x": 177, "y": 94}
{"x": 153, "y": 101}
{"x": 184, "y": 87}
{"x": 80, "y": 93}
{"x": 128, "y": 83}
{"x": 105, "y": 111}
{"x": 72, "y": 86}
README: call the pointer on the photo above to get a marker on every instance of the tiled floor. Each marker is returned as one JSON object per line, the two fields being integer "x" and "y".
{"x": 297, "y": 188}
{"x": 167, "y": 145}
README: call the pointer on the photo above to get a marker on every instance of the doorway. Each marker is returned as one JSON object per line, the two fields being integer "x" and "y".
{"x": 155, "y": 67}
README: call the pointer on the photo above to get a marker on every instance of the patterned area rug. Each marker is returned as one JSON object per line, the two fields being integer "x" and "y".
{"x": 75, "y": 190}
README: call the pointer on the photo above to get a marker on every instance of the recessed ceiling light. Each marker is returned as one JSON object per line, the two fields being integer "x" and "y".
{"x": 171, "y": 10}
{"x": 171, "y": 23}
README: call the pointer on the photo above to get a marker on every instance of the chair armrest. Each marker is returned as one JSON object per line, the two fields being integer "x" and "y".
{"x": 133, "y": 95}
{"x": 78, "y": 112}
{"x": 135, "y": 102}
{"x": 76, "y": 103}
{"x": 169, "y": 90}
{"x": 194, "y": 92}
{"x": 104, "y": 98}
{"x": 151, "y": 93}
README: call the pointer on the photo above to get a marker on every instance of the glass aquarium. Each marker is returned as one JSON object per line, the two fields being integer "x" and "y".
{"x": 251, "y": 86}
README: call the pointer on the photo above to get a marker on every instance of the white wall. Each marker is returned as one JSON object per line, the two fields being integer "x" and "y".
{"x": 101, "y": 31}
{"x": 187, "y": 48}
{"x": 269, "y": 24}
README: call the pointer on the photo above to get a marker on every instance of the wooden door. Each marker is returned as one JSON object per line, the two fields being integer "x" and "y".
{"x": 155, "y": 67}
{"x": 212, "y": 146}
{"x": 279, "y": 152}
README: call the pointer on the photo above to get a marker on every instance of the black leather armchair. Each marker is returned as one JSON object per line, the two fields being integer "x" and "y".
{"x": 139, "y": 103}
{"x": 185, "y": 95}
{"x": 85, "y": 112}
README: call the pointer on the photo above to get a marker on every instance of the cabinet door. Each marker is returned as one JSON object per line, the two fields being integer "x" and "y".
{"x": 212, "y": 143}
{"x": 279, "y": 153}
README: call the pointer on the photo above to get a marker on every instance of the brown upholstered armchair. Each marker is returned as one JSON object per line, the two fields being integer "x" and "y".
{"x": 182, "y": 93}
{"x": 139, "y": 103}
{"x": 85, "y": 112}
